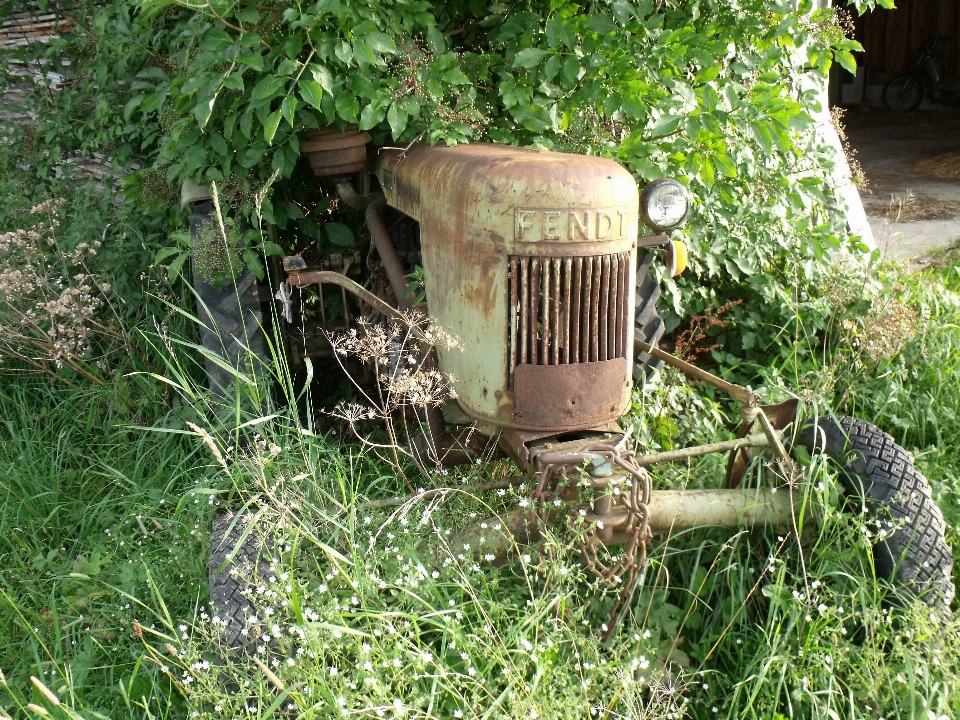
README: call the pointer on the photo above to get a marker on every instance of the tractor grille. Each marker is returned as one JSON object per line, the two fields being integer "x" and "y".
{"x": 568, "y": 310}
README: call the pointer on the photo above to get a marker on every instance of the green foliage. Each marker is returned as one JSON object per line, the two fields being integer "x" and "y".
{"x": 720, "y": 95}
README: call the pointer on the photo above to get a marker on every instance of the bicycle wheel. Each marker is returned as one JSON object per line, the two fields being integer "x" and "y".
{"x": 903, "y": 93}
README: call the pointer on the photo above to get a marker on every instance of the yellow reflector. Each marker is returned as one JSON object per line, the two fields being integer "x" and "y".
{"x": 677, "y": 257}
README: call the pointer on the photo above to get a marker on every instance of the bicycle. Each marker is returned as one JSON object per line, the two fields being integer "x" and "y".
{"x": 905, "y": 92}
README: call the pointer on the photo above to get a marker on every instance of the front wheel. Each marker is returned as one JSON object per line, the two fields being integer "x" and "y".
{"x": 903, "y": 93}
{"x": 647, "y": 324}
{"x": 915, "y": 557}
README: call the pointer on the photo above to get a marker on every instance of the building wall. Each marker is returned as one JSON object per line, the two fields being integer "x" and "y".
{"x": 891, "y": 38}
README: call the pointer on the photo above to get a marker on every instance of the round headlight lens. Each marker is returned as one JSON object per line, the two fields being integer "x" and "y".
{"x": 664, "y": 204}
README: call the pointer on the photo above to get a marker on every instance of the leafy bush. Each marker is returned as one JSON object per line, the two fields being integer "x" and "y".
{"x": 721, "y": 95}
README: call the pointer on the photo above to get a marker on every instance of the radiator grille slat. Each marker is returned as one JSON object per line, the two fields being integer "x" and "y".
{"x": 567, "y": 310}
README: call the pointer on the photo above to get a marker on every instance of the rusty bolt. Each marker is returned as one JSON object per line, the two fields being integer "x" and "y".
{"x": 498, "y": 393}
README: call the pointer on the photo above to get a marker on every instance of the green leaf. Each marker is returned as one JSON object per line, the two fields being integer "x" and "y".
{"x": 164, "y": 253}
{"x": 529, "y": 57}
{"x": 601, "y": 24}
{"x": 311, "y": 92}
{"x": 846, "y": 60}
{"x": 253, "y": 60}
{"x": 271, "y": 248}
{"x": 293, "y": 45}
{"x": 726, "y": 165}
{"x": 252, "y": 259}
{"x": 665, "y": 125}
{"x": 339, "y": 234}
{"x": 234, "y": 81}
{"x": 347, "y": 106}
{"x": 131, "y": 105}
{"x": 343, "y": 52}
{"x": 554, "y": 32}
{"x": 288, "y": 107}
{"x": 248, "y": 14}
{"x": 271, "y": 125}
{"x": 552, "y": 67}
{"x": 153, "y": 102}
{"x": 397, "y": 117}
{"x": 634, "y": 106}
{"x": 709, "y": 73}
{"x": 762, "y": 135}
{"x": 370, "y": 116}
{"x": 709, "y": 97}
{"x": 381, "y": 43}
{"x": 287, "y": 67}
{"x": 218, "y": 144}
{"x": 267, "y": 88}
{"x": 322, "y": 76}
{"x": 571, "y": 70}
{"x": 173, "y": 272}
{"x": 203, "y": 110}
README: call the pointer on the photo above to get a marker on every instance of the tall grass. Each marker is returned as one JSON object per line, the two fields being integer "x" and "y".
{"x": 375, "y": 608}
{"x": 89, "y": 528}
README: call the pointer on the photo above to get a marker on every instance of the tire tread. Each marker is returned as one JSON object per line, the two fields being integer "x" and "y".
{"x": 916, "y": 556}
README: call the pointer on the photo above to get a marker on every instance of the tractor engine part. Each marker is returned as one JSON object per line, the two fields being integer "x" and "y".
{"x": 335, "y": 152}
{"x": 530, "y": 258}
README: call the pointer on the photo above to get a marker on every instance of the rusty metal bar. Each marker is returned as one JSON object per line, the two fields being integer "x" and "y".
{"x": 512, "y": 309}
{"x": 534, "y": 304}
{"x": 603, "y": 337}
{"x": 555, "y": 348}
{"x": 524, "y": 320}
{"x": 595, "y": 312}
{"x": 586, "y": 326}
{"x": 614, "y": 349}
{"x": 625, "y": 291}
{"x": 751, "y": 441}
{"x": 346, "y": 308}
{"x": 575, "y": 298}
{"x": 675, "y": 510}
{"x": 545, "y": 312}
{"x": 670, "y": 511}
{"x": 312, "y": 277}
{"x": 737, "y": 392}
{"x": 323, "y": 306}
{"x": 567, "y": 268}
{"x": 569, "y": 456}
{"x": 392, "y": 265}
{"x": 774, "y": 437}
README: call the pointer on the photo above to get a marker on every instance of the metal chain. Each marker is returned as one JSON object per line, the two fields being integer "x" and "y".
{"x": 625, "y": 572}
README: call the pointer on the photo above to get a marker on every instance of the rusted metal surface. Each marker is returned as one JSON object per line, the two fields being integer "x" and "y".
{"x": 561, "y": 396}
{"x": 609, "y": 469}
{"x": 332, "y": 151}
{"x": 392, "y": 264}
{"x": 674, "y": 510}
{"x": 312, "y": 277}
{"x": 486, "y": 211}
{"x": 341, "y": 262}
{"x": 348, "y": 193}
{"x": 670, "y": 511}
{"x": 750, "y": 441}
{"x": 653, "y": 241}
{"x": 781, "y": 415}
{"x": 737, "y": 392}
{"x": 560, "y": 314}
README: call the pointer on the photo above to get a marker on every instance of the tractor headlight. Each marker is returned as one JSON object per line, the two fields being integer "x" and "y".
{"x": 664, "y": 204}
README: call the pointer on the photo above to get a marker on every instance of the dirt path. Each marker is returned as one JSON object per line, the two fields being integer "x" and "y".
{"x": 912, "y": 164}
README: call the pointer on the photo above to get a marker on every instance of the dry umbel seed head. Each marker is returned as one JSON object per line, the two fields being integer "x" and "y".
{"x": 50, "y": 301}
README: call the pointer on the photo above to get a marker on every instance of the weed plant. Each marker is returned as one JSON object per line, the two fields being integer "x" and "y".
{"x": 374, "y": 606}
